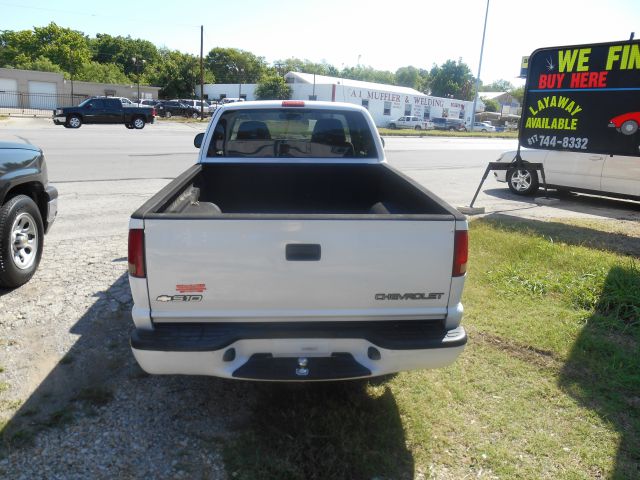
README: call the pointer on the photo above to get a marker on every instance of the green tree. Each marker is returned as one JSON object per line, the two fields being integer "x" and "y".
{"x": 490, "y": 105}
{"x": 409, "y": 77}
{"x": 40, "y": 64}
{"x": 498, "y": 86}
{"x": 368, "y": 74}
{"x": 177, "y": 73}
{"x": 273, "y": 87}
{"x": 304, "y": 66}
{"x": 63, "y": 46}
{"x": 518, "y": 94}
{"x": 101, "y": 73}
{"x": 230, "y": 65}
{"x": 121, "y": 50}
{"x": 452, "y": 79}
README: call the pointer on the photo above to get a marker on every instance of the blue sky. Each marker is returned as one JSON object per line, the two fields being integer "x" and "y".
{"x": 384, "y": 35}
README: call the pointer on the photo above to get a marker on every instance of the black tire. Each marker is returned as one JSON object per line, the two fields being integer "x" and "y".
{"x": 418, "y": 127}
{"x": 74, "y": 121}
{"x": 522, "y": 181}
{"x": 21, "y": 241}
{"x": 138, "y": 123}
{"x": 392, "y": 126}
{"x": 167, "y": 114}
{"x": 484, "y": 130}
{"x": 452, "y": 129}
{"x": 129, "y": 126}
{"x": 195, "y": 115}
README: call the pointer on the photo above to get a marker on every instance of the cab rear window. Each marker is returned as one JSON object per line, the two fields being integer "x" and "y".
{"x": 296, "y": 133}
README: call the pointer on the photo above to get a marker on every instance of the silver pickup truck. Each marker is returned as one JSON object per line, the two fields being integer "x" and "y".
{"x": 293, "y": 252}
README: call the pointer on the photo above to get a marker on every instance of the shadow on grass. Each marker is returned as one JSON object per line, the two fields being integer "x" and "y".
{"x": 319, "y": 431}
{"x": 603, "y": 369}
{"x": 569, "y": 234}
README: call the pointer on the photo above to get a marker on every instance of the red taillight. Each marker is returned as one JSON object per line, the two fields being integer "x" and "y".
{"x": 136, "y": 253}
{"x": 153, "y": 112}
{"x": 460, "y": 253}
{"x": 293, "y": 103}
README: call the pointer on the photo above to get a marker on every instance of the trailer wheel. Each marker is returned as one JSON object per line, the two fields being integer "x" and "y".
{"x": 522, "y": 181}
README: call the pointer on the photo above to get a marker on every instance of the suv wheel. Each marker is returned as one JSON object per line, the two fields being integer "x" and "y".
{"x": 74, "y": 121}
{"x": 418, "y": 127}
{"x": 21, "y": 236}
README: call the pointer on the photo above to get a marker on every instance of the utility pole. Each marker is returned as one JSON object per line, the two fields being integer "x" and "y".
{"x": 475, "y": 98}
{"x": 201, "y": 75}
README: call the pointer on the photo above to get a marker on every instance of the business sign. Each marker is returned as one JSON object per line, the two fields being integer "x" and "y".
{"x": 583, "y": 98}
{"x": 524, "y": 67}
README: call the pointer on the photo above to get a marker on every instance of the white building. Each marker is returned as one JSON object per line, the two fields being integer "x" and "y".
{"x": 384, "y": 102}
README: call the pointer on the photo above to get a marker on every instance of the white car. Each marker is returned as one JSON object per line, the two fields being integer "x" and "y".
{"x": 483, "y": 127}
{"x": 208, "y": 110}
{"x": 414, "y": 123}
{"x": 595, "y": 173}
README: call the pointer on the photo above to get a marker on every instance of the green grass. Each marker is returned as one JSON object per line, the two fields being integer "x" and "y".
{"x": 388, "y": 132}
{"x": 548, "y": 386}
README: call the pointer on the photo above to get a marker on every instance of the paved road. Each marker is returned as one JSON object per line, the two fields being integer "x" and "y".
{"x": 101, "y": 157}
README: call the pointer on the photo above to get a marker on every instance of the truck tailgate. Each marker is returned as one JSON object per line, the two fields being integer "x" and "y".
{"x": 295, "y": 270}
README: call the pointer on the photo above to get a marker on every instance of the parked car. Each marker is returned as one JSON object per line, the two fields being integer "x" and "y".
{"x": 302, "y": 194}
{"x": 451, "y": 124}
{"x": 28, "y": 208}
{"x": 105, "y": 110}
{"x": 148, "y": 103}
{"x": 483, "y": 127}
{"x": 414, "y": 123}
{"x": 170, "y": 108}
{"x": 207, "y": 110}
{"x": 600, "y": 174}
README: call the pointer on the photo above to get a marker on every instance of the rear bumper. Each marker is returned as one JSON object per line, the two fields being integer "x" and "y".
{"x": 296, "y": 351}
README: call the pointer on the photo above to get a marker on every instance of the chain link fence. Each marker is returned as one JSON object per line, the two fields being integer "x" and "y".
{"x": 35, "y": 104}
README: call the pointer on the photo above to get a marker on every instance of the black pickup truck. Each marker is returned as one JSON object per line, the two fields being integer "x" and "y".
{"x": 28, "y": 207}
{"x": 105, "y": 110}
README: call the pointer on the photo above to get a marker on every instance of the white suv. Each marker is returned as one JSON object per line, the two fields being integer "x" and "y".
{"x": 596, "y": 173}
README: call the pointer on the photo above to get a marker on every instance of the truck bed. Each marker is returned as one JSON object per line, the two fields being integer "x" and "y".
{"x": 293, "y": 189}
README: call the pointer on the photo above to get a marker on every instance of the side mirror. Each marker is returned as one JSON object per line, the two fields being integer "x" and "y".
{"x": 198, "y": 140}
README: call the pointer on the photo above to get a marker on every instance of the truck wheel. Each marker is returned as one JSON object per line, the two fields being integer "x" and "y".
{"x": 128, "y": 125}
{"x": 195, "y": 115}
{"x": 522, "y": 181}
{"x": 167, "y": 115}
{"x": 21, "y": 236}
{"x": 629, "y": 127}
{"x": 74, "y": 121}
{"x": 138, "y": 123}
{"x": 418, "y": 127}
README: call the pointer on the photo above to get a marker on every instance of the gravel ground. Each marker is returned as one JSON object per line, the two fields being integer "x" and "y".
{"x": 75, "y": 403}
